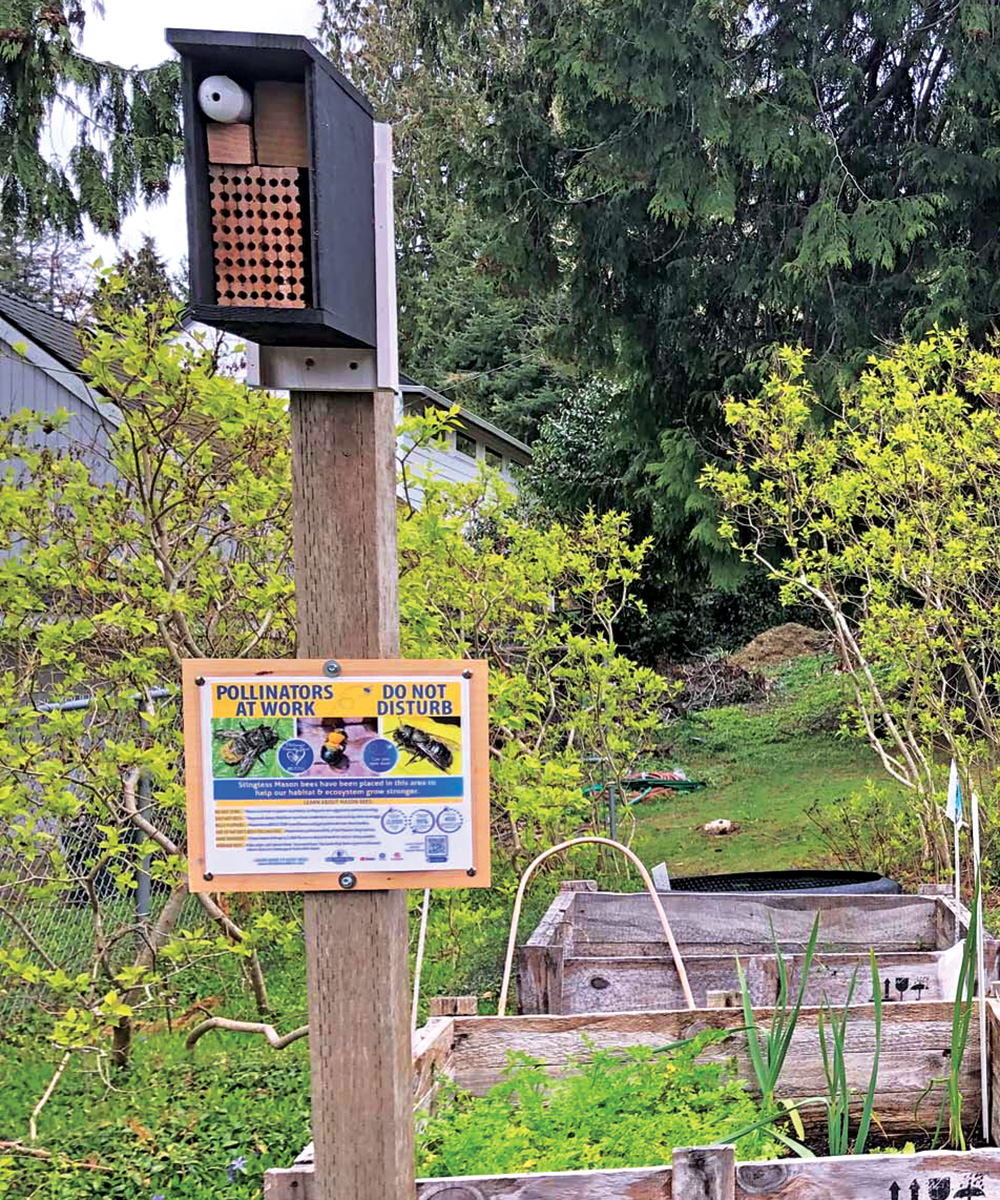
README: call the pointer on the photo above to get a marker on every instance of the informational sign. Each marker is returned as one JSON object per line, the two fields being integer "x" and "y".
{"x": 313, "y": 775}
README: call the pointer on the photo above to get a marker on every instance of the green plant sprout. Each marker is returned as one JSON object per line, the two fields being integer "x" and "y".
{"x": 838, "y": 1098}
{"x": 619, "y": 1109}
{"x": 769, "y": 1050}
{"x": 961, "y": 1021}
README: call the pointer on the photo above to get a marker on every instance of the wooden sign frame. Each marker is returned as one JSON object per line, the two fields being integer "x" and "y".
{"x": 199, "y": 673}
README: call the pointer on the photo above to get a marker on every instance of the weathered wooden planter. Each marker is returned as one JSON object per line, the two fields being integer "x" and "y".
{"x": 915, "y": 1050}
{"x": 604, "y": 952}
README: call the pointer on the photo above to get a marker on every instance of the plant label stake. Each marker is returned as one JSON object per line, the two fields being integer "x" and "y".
{"x": 332, "y": 775}
{"x": 984, "y": 1089}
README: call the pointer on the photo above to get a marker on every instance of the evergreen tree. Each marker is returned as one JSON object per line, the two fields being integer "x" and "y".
{"x": 139, "y": 279}
{"x": 463, "y": 327}
{"x": 127, "y": 124}
{"x": 51, "y": 270}
{"x": 704, "y": 181}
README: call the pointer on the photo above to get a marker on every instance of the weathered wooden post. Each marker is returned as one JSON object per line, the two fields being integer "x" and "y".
{"x": 289, "y": 186}
{"x": 704, "y": 1173}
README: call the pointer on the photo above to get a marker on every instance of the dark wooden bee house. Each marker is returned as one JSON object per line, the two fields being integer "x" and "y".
{"x": 281, "y": 223}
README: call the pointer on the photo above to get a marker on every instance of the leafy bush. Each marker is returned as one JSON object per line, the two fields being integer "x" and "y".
{"x": 171, "y": 538}
{"x": 875, "y": 829}
{"x": 619, "y": 1109}
{"x": 886, "y": 522}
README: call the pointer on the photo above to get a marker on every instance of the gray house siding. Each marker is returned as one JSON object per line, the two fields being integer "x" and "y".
{"x": 25, "y": 385}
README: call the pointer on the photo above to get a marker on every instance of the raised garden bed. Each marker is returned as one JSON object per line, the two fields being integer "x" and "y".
{"x": 915, "y": 1042}
{"x": 604, "y": 952}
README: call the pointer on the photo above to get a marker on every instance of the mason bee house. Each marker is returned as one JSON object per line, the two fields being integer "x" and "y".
{"x": 279, "y": 154}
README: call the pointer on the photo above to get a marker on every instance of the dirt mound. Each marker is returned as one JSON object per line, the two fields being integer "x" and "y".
{"x": 779, "y": 644}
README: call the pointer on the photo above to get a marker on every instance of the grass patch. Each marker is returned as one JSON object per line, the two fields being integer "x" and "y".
{"x": 173, "y": 1125}
{"x": 765, "y": 765}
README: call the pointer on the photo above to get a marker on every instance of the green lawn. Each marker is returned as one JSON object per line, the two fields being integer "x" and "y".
{"x": 766, "y": 764}
{"x": 767, "y": 793}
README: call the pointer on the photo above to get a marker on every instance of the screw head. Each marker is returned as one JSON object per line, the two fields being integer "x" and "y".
{"x": 471, "y": 871}
{"x": 208, "y": 876}
{"x": 347, "y": 881}
{"x": 331, "y": 667}
{"x": 200, "y": 681}
{"x": 466, "y": 674}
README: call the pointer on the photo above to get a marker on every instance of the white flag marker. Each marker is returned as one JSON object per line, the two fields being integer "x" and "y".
{"x": 953, "y": 812}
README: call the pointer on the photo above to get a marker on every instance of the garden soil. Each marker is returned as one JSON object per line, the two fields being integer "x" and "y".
{"x": 777, "y": 645}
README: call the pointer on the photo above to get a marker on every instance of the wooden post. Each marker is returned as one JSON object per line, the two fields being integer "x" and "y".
{"x": 454, "y": 1006}
{"x": 357, "y": 952}
{"x": 704, "y": 1173}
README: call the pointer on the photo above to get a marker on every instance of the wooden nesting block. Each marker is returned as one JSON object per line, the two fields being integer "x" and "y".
{"x": 258, "y": 237}
{"x": 229, "y": 143}
{"x": 279, "y": 124}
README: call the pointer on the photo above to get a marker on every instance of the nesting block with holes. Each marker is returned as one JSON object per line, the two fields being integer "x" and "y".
{"x": 281, "y": 214}
{"x": 257, "y": 229}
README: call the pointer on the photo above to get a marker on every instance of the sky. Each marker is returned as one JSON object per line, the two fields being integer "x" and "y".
{"x": 131, "y": 34}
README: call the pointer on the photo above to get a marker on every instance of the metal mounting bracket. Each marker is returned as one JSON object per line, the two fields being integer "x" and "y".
{"x": 315, "y": 369}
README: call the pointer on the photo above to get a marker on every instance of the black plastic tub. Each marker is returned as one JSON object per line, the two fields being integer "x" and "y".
{"x": 832, "y": 883}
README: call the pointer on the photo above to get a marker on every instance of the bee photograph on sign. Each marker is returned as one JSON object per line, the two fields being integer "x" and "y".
{"x": 426, "y": 744}
{"x": 246, "y": 748}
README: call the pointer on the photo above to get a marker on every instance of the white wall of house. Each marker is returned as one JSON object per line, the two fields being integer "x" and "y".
{"x": 466, "y": 449}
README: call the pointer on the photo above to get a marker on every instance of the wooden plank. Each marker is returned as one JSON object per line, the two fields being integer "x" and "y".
{"x": 916, "y": 1042}
{"x": 652, "y": 984}
{"x": 432, "y": 1052}
{"x": 279, "y": 124}
{"x": 746, "y": 921}
{"x": 993, "y": 1051}
{"x": 633, "y": 1183}
{"x": 704, "y": 1172}
{"x": 229, "y": 144}
{"x": 539, "y": 962}
{"x": 931, "y": 1175}
{"x": 357, "y": 943}
{"x": 629, "y": 984}
{"x": 952, "y": 921}
{"x": 940, "y": 1175}
{"x": 453, "y": 1006}
{"x": 719, "y": 998}
{"x": 289, "y": 1183}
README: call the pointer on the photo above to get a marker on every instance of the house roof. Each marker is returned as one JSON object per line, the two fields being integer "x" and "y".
{"x": 50, "y": 343}
{"x": 410, "y": 387}
{"x": 58, "y": 338}
{"x": 54, "y": 334}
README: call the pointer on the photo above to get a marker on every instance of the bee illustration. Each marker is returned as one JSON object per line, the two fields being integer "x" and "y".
{"x": 243, "y": 747}
{"x": 334, "y": 752}
{"x": 421, "y": 744}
